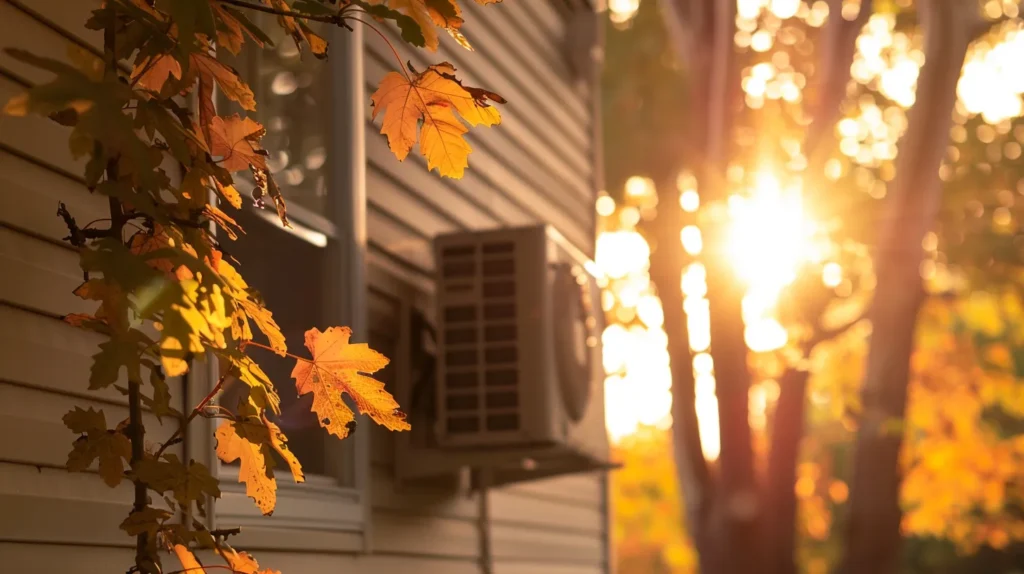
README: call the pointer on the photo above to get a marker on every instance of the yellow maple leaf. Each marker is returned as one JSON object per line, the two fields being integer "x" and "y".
{"x": 228, "y": 193}
{"x": 250, "y": 440}
{"x": 430, "y": 97}
{"x": 264, "y": 319}
{"x": 335, "y": 369}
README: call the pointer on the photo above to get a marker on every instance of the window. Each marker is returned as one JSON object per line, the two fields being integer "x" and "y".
{"x": 301, "y": 273}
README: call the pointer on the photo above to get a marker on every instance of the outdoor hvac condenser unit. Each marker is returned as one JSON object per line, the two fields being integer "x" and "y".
{"x": 519, "y": 372}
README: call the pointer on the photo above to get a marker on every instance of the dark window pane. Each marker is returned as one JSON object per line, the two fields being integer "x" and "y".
{"x": 289, "y": 273}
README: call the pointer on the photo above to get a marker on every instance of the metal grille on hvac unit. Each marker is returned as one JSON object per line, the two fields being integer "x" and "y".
{"x": 481, "y": 383}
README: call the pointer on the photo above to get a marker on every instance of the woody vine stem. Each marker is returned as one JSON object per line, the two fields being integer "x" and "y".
{"x": 136, "y": 429}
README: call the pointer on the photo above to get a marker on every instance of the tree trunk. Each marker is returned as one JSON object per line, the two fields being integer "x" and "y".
{"x": 873, "y": 528}
{"x": 737, "y": 492}
{"x": 691, "y": 467}
{"x": 779, "y": 532}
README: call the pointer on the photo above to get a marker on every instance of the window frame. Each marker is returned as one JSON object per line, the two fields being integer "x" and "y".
{"x": 331, "y": 515}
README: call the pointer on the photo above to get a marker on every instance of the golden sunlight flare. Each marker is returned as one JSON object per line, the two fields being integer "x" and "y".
{"x": 636, "y": 363}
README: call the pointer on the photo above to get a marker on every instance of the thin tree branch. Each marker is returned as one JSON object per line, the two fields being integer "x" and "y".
{"x": 336, "y": 19}
{"x": 823, "y": 335}
{"x": 176, "y": 437}
{"x": 837, "y": 47}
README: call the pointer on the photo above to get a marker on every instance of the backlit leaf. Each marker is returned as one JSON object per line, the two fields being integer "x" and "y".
{"x": 264, "y": 319}
{"x": 251, "y": 440}
{"x": 231, "y": 85}
{"x": 189, "y": 563}
{"x": 152, "y": 73}
{"x": 242, "y": 562}
{"x": 335, "y": 369}
{"x": 267, "y": 186}
{"x": 236, "y": 140}
{"x": 410, "y": 29}
{"x": 428, "y": 99}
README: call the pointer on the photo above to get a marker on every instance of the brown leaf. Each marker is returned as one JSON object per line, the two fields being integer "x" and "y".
{"x": 335, "y": 369}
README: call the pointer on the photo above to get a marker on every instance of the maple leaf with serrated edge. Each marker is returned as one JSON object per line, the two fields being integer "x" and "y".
{"x": 334, "y": 370}
{"x": 231, "y": 85}
{"x": 236, "y": 140}
{"x": 251, "y": 439}
{"x": 113, "y": 308}
{"x": 429, "y": 98}
{"x": 188, "y": 484}
{"x": 410, "y": 29}
{"x": 232, "y": 25}
{"x": 242, "y": 562}
{"x": 111, "y": 447}
{"x": 151, "y": 73}
{"x": 427, "y": 14}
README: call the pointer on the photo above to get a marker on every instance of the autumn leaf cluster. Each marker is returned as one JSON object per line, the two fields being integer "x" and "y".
{"x": 143, "y": 118}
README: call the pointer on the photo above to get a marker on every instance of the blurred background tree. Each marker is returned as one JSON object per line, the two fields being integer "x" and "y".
{"x": 963, "y": 451}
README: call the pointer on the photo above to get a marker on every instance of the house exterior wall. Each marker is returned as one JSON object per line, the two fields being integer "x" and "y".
{"x": 537, "y": 166}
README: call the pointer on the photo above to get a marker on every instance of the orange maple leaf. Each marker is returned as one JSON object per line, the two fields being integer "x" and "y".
{"x": 189, "y": 562}
{"x": 430, "y": 97}
{"x": 237, "y": 139}
{"x": 151, "y": 73}
{"x": 334, "y": 370}
{"x": 230, "y": 83}
{"x": 250, "y": 440}
{"x": 243, "y": 562}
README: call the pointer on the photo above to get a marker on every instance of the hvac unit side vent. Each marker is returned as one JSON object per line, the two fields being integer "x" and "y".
{"x": 481, "y": 386}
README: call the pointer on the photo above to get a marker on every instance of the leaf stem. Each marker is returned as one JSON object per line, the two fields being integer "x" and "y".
{"x": 394, "y": 51}
{"x": 271, "y": 349}
{"x": 191, "y": 416}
